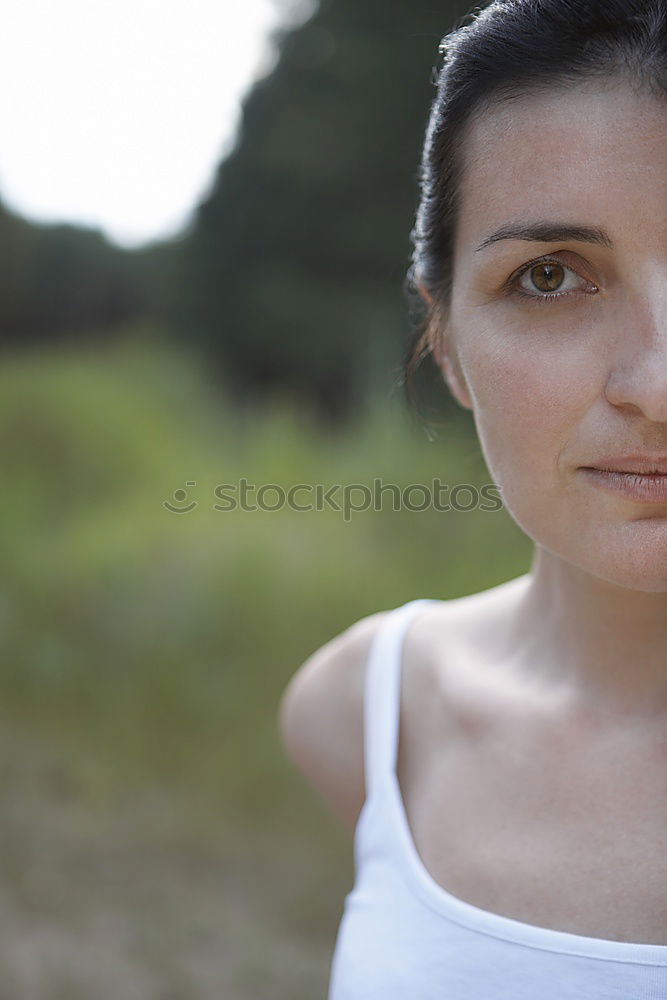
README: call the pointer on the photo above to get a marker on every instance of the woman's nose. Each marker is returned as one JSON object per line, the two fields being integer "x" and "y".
{"x": 638, "y": 374}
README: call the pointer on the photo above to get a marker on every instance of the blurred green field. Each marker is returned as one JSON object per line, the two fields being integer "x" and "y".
{"x": 145, "y": 652}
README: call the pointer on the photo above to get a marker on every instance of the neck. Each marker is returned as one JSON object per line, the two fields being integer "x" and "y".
{"x": 608, "y": 644}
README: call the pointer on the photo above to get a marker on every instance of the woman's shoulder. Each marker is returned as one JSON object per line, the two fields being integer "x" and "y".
{"x": 321, "y": 713}
{"x": 472, "y": 623}
{"x": 457, "y": 647}
{"x": 321, "y": 717}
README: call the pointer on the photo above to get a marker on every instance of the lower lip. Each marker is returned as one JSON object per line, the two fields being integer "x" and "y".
{"x": 644, "y": 487}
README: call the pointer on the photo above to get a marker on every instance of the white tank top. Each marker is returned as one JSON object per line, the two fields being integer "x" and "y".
{"x": 404, "y": 937}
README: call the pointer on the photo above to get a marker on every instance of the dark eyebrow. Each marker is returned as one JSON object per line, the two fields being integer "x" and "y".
{"x": 548, "y": 232}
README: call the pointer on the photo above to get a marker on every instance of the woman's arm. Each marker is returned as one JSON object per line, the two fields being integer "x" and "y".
{"x": 321, "y": 719}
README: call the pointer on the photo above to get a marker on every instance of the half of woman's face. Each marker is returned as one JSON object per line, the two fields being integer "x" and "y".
{"x": 561, "y": 340}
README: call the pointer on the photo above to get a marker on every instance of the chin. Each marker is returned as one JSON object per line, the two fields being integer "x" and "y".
{"x": 632, "y": 556}
{"x": 646, "y": 579}
{"x": 647, "y": 582}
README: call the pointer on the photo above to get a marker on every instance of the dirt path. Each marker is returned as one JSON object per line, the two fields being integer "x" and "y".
{"x": 132, "y": 903}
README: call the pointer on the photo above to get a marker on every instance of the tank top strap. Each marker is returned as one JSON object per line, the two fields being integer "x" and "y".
{"x": 382, "y": 693}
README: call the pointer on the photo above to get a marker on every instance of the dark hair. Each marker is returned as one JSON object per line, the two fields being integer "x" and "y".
{"x": 499, "y": 51}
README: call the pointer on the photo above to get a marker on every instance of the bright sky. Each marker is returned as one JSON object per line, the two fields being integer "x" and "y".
{"x": 115, "y": 113}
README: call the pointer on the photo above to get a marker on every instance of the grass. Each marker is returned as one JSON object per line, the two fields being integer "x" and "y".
{"x": 145, "y": 651}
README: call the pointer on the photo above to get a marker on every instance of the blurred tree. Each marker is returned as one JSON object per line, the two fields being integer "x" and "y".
{"x": 60, "y": 281}
{"x": 290, "y": 276}
{"x": 294, "y": 266}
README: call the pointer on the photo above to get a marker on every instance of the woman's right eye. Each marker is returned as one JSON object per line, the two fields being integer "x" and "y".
{"x": 549, "y": 276}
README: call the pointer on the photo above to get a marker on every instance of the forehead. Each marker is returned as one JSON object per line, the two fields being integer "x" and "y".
{"x": 596, "y": 154}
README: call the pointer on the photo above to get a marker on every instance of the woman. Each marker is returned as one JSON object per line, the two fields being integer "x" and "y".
{"x": 516, "y": 846}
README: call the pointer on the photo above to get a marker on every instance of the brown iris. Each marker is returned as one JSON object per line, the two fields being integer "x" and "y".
{"x": 547, "y": 277}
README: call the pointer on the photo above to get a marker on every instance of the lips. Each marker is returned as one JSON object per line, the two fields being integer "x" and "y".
{"x": 639, "y": 478}
{"x": 641, "y": 465}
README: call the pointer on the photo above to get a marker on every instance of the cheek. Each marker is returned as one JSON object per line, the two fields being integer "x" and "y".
{"x": 528, "y": 399}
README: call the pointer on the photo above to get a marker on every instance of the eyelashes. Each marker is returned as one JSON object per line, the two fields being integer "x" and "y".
{"x": 513, "y": 287}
